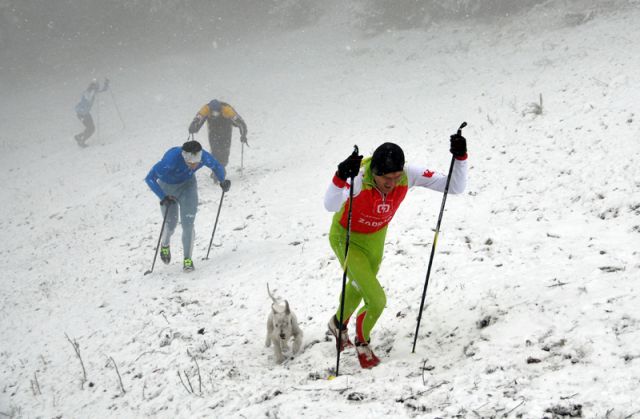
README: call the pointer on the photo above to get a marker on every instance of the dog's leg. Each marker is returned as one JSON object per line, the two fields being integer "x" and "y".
{"x": 267, "y": 342}
{"x": 297, "y": 343}
{"x": 277, "y": 352}
{"x": 297, "y": 334}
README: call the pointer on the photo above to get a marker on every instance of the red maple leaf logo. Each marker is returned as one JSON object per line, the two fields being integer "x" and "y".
{"x": 427, "y": 173}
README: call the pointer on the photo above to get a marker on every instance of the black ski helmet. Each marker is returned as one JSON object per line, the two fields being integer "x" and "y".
{"x": 191, "y": 147}
{"x": 387, "y": 158}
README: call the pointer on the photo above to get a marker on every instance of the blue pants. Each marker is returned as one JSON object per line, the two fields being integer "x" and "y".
{"x": 186, "y": 194}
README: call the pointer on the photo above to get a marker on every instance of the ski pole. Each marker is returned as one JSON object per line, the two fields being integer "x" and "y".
{"x": 164, "y": 221}
{"x": 215, "y": 225}
{"x": 435, "y": 241}
{"x": 344, "y": 273}
{"x": 115, "y": 104}
{"x": 98, "y": 117}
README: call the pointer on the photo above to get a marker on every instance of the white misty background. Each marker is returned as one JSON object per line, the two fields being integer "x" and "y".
{"x": 532, "y": 304}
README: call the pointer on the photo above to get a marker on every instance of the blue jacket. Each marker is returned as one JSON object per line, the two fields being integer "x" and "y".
{"x": 172, "y": 169}
{"x": 86, "y": 102}
{"x": 88, "y": 96}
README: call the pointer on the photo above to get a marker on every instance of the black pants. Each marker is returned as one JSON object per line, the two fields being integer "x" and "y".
{"x": 89, "y": 127}
{"x": 220, "y": 139}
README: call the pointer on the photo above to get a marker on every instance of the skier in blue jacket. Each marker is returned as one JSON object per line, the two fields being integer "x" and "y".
{"x": 172, "y": 180}
{"x": 83, "y": 110}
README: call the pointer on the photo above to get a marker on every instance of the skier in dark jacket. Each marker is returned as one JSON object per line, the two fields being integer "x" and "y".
{"x": 83, "y": 110}
{"x": 221, "y": 119}
{"x": 172, "y": 180}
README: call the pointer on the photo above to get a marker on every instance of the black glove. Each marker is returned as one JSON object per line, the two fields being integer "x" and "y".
{"x": 458, "y": 145}
{"x": 196, "y": 124}
{"x": 225, "y": 185}
{"x": 350, "y": 167}
{"x": 168, "y": 200}
{"x": 243, "y": 140}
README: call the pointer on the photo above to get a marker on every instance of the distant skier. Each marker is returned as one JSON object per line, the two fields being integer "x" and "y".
{"x": 83, "y": 110}
{"x": 380, "y": 184}
{"x": 172, "y": 180}
{"x": 221, "y": 119}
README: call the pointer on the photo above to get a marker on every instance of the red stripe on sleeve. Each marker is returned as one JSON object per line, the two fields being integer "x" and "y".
{"x": 339, "y": 182}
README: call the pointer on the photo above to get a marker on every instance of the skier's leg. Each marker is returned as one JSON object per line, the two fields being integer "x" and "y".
{"x": 188, "y": 208}
{"x": 220, "y": 140}
{"x": 352, "y": 297}
{"x": 365, "y": 256}
{"x": 172, "y": 217}
{"x": 172, "y": 222}
{"x": 89, "y": 127}
{"x": 374, "y": 303}
{"x": 225, "y": 146}
{"x": 79, "y": 135}
{"x": 212, "y": 139}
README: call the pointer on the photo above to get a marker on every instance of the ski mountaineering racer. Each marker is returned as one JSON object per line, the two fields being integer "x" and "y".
{"x": 221, "y": 118}
{"x": 380, "y": 184}
{"x": 172, "y": 180}
{"x": 83, "y": 110}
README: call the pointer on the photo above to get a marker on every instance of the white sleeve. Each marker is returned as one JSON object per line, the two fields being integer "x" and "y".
{"x": 421, "y": 176}
{"x": 338, "y": 192}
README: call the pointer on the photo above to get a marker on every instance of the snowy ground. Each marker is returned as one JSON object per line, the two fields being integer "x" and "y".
{"x": 532, "y": 304}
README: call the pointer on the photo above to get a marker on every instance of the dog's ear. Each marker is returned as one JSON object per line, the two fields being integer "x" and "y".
{"x": 286, "y": 305}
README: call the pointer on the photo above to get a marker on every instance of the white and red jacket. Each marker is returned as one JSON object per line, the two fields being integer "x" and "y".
{"x": 373, "y": 210}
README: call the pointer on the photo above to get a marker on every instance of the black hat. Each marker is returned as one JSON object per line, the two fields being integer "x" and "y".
{"x": 191, "y": 147}
{"x": 387, "y": 158}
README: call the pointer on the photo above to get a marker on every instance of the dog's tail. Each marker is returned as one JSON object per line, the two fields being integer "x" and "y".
{"x": 275, "y": 301}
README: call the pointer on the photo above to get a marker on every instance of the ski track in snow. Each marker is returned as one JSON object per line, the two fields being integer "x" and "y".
{"x": 532, "y": 303}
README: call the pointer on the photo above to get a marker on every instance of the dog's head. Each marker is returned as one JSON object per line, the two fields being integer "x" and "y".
{"x": 281, "y": 315}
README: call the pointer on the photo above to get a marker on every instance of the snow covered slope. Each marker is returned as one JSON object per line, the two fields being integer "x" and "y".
{"x": 532, "y": 304}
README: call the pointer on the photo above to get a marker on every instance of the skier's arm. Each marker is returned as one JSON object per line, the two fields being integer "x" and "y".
{"x": 152, "y": 181}
{"x": 338, "y": 192}
{"x": 421, "y": 176}
{"x": 335, "y": 195}
{"x": 199, "y": 119}
{"x": 213, "y": 164}
{"x": 242, "y": 126}
{"x": 229, "y": 113}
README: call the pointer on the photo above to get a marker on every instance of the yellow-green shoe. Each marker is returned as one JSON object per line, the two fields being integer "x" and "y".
{"x": 165, "y": 254}
{"x": 187, "y": 266}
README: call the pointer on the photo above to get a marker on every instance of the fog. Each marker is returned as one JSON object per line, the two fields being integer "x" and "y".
{"x": 62, "y": 36}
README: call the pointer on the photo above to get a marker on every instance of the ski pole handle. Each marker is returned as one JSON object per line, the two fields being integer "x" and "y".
{"x": 464, "y": 124}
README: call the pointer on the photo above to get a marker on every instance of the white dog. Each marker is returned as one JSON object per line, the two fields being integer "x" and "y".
{"x": 282, "y": 325}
